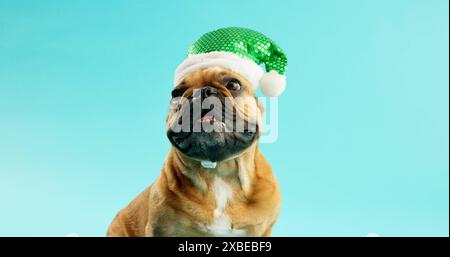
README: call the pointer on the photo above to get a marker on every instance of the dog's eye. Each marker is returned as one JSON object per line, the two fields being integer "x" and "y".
{"x": 177, "y": 94}
{"x": 179, "y": 91}
{"x": 233, "y": 85}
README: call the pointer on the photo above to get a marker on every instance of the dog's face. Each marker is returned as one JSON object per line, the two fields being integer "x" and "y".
{"x": 214, "y": 115}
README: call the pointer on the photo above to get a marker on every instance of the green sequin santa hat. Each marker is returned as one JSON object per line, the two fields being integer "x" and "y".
{"x": 242, "y": 51}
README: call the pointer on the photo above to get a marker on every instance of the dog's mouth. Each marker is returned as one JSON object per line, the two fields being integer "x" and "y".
{"x": 210, "y": 123}
{"x": 213, "y": 136}
{"x": 209, "y": 120}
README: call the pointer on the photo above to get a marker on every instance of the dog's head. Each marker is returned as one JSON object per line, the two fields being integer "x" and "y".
{"x": 214, "y": 115}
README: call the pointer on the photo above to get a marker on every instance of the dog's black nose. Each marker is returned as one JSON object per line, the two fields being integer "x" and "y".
{"x": 204, "y": 92}
{"x": 208, "y": 91}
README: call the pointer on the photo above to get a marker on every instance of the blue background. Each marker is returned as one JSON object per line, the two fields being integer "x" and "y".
{"x": 363, "y": 134}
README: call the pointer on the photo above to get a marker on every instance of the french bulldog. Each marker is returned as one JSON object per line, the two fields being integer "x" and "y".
{"x": 215, "y": 180}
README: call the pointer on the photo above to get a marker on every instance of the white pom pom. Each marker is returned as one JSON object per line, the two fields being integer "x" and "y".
{"x": 272, "y": 83}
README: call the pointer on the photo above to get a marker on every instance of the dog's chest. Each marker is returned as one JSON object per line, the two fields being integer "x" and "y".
{"x": 222, "y": 225}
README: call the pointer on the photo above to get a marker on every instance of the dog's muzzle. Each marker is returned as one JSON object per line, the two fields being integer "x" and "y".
{"x": 214, "y": 133}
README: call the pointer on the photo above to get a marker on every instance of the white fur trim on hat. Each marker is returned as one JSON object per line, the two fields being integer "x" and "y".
{"x": 245, "y": 67}
{"x": 272, "y": 83}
